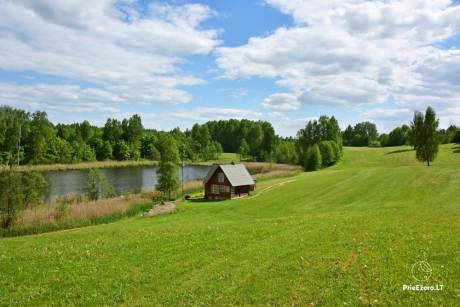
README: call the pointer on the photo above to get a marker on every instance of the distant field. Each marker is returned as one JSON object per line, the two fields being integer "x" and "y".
{"x": 346, "y": 235}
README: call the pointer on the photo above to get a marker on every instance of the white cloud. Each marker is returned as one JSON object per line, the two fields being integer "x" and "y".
{"x": 353, "y": 52}
{"x": 107, "y": 44}
{"x": 62, "y": 98}
{"x": 281, "y": 101}
{"x": 388, "y": 114}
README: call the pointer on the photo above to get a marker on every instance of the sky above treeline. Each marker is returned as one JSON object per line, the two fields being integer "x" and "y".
{"x": 180, "y": 62}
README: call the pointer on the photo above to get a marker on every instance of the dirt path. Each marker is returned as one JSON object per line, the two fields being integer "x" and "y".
{"x": 271, "y": 187}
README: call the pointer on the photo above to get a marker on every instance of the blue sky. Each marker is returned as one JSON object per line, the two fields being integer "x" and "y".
{"x": 180, "y": 62}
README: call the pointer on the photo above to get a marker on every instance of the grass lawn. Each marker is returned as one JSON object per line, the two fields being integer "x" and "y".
{"x": 349, "y": 234}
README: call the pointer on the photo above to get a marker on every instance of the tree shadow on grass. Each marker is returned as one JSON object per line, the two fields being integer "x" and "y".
{"x": 398, "y": 151}
{"x": 456, "y": 149}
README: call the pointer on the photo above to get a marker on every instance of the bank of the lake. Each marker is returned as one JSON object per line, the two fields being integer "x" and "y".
{"x": 75, "y": 214}
{"x": 223, "y": 158}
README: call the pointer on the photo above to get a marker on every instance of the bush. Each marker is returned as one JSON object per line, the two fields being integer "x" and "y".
{"x": 374, "y": 144}
{"x": 337, "y": 151}
{"x": 97, "y": 186}
{"x": 327, "y": 153}
{"x": 456, "y": 138}
{"x": 313, "y": 159}
{"x": 34, "y": 188}
{"x": 18, "y": 190}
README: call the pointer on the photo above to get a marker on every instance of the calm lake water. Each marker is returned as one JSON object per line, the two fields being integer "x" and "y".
{"x": 126, "y": 179}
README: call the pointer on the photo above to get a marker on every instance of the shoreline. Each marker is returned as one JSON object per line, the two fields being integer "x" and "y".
{"x": 131, "y": 163}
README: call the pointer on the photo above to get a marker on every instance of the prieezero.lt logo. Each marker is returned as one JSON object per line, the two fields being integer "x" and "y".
{"x": 421, "y": 271}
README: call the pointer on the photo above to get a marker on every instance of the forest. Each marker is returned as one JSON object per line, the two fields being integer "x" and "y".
{"x": 30, "y": 138}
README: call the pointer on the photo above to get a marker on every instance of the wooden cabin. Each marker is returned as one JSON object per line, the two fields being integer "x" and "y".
{"x": 227, "y": 181}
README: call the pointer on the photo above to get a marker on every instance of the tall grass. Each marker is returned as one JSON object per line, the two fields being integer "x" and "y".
{"x": 72, "y": 211}
{"x": 83, "y": 165}
{"x": 265, "y": 167}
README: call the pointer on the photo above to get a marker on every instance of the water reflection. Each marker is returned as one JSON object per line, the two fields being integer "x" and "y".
{"x": 126, "y": 179}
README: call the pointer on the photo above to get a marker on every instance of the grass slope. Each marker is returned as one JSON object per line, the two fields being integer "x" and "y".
{"x": 348, "y": 234}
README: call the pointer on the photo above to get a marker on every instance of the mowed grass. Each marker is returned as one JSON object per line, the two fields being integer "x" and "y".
{"x": 346, "y": 235}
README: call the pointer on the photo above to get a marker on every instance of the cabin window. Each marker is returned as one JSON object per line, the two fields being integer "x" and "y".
{"x": 220, "y": 177}
{"x": 224, "y": 189}
{"x": 215, "y": 189}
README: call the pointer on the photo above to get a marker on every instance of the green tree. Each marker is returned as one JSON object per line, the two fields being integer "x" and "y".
{"x": 121, "y": 151}
{"x": 168, "y": 180}
{"x": 97, "y": 186}
{"x": 41, "y": 132}
{"x": 327, "y": 153}
{"x": 243, "y": 149}
{"x": 112, "y": 131}
{"x": 18, "y": 190}
{"x": 425, "y": 136}
{"x": 34, "y": 188}
{"x": 148, "y": 147}
{"x": 254, "y": 138}
{"x": 134, "y": 130}
{"x": 313, "y": 159}
{"x": 11, "y": 196}
{"x": 285, "y": 152}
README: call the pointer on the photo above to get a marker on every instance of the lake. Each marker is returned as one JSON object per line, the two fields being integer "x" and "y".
{"x": 126, "y": 179}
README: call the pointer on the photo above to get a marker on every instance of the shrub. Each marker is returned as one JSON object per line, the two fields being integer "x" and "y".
{"x": 17, "y": 190}
{"x": 456, "y": 138}
{"x": 97, "y": 186}
{"x": 34, "y": 188}
{"x": 374, "y": 144}
{"x": 337, "y": 151}
{"x": 327, "y": 153}
{"x": 313, "y": 159}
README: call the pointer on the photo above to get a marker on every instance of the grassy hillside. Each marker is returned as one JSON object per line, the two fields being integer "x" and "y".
{"x": 349, "y": 234}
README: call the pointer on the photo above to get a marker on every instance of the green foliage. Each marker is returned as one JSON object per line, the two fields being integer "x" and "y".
{"x": 243, "y": 150}
{"x": 362, "y": 134}
{"x": 11, "y": 197}
{"x": 97, "y": 186}
{"x": 121, "y": 151}
{"x": 447, "y": 136}
{"x": 316, "y": 238}
{"x": 397, "y": 137}
{"x": 323, "y": 132}
{"x": 327, "y": 153}
{"x": 425, "y": 137}
{"x": 456, "y": 137}
{"x": 148, "y": 148}
{"x": 33, "y": 139}
{"x": 286, "y": 152}
{"x": 168, "y": 180}
{"x": 17, "y": 191}
{"x": 313, "y": 159}
{"x": 34, "y": 188}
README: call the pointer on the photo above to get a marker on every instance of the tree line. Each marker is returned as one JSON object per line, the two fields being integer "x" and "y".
{"x": 30, "y": 138}
{"x": 366, "y": 134}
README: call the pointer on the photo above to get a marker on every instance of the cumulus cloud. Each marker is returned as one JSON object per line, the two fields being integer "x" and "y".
{"x": 355, "y": 53}
{"x": 111, "y": 45}
{"x": 281, "y": 101}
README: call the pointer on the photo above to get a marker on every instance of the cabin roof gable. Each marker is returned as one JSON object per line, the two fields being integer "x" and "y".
{"x": 237, "y": 174}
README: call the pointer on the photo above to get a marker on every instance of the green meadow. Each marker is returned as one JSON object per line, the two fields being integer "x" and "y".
{"x": 347, "y": 235}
